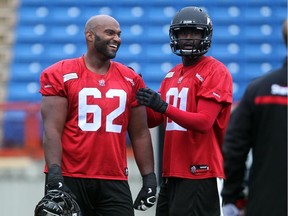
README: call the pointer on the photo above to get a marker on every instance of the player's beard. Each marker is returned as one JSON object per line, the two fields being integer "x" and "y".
{"x": 102, "y": 47}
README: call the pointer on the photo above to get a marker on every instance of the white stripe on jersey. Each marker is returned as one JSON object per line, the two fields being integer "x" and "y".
{"x": 70, "y": 76}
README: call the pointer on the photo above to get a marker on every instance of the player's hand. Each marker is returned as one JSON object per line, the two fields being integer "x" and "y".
{"x": 55, "y": 180}
{"x": 230, "y": 209}
{"x": 150, "y": 98}
{"x": 147, "y": 195}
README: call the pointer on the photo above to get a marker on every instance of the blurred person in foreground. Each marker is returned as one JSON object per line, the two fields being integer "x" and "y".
{"x": 194, "y": 103}
{"x": 259, "y": 123}
{"x": 88, "y": 106}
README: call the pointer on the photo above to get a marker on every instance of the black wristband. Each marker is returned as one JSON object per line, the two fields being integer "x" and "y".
{"x": 55, "y": 169}
{"x": 163, "y": 107}
{"x": 149, "y": 180}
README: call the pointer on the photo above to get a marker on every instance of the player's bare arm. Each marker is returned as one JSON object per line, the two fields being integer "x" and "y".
{"x": 143, "y": 152}
{"x": 141, "y": 140}
{"x": 54, "y": 112}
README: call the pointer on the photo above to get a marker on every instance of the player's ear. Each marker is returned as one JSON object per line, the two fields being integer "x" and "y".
{"x": 89, "y": 36}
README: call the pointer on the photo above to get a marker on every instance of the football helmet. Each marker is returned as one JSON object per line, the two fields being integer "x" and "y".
{"x": 57, "y": 203}
{"x": 196, "y": 18}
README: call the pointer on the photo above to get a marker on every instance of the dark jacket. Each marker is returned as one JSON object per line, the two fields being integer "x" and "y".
{"x": 259, "y": 123}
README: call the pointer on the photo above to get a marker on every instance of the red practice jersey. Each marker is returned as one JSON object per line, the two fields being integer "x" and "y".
{"x": 94, "y": 136}
{"x": 187, "y": 153}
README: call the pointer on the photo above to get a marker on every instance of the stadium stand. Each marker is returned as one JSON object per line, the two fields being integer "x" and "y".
{"x": 7, "y": 23}
{"x": 246, "y": 38}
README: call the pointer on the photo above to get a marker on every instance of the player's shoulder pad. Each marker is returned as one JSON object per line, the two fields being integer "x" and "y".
{"x": 134, "y": 70}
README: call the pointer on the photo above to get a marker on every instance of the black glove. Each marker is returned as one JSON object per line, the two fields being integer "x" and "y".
{"x": 150, "y": 98}
{"x": 55, "y": 180}
{"x": 147, "y": 195}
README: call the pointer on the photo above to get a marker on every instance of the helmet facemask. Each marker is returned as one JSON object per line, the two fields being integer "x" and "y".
{"x": 57, "y": 203}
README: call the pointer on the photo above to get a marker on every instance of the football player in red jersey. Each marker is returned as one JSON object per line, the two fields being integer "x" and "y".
{"x": 194, "y": 103}
{"x": 88, "y": 105}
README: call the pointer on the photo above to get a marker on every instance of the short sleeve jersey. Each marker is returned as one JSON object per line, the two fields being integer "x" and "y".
{"x": 94, "y": 136}
{"x": 187, "y": 153}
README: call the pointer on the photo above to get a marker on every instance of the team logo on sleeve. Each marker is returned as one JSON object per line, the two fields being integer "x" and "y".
{"x": 199, "y": 77}
{"x": 180, "y": 79}
{"x": 216, "y": 95}
{"x": 48, "y": 86}
{"x": 130, "y": 80}
{"x": 169, "y": 74}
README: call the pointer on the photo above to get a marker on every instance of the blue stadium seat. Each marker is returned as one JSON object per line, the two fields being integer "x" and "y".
{"x": 153, "y": 85}
{"x": 27, "y": 91}
{"x": 255, "y": 69}
{"x": 26, "y": 72}
{"x": 128, "y": 14}
{"x": 13, "y": 124}
{"x": 259, "y": 13}
{"x": 157, "y": 33}
{"x": 31, "y": 33}
{"x": 238, "y": 90}
{"x": 65, "y": 14}
{"x": 269, "y": 32}
{"x": 68, "y": 32}
{"x": 130, "y": 51}
{"x": 224, "y": 14}
{"x": 261, "y": 51}
{"x": 89, "y": 11}
{"x": 230, "y": 50}
{"x": 245, "y": 35}
{"x": 29, "y": 51}
{"x": 155, "y": 72}
{"x": 162, "y": 14}
{"x": 133, "y": 33}
{"x": 246, "y": 38}
{"x": 33, "y": 14}
{"x": 228, "y": 33}
{"x": 14, "y": 127}
{"x": 159, "y": 51}
{"x": 59, "y": 51}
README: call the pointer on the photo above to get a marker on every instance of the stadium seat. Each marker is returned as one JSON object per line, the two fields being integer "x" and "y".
{"x": 157, "y": 33}
{"x": 228, "y": 33}
{"x": 246, "y": 38}
{"x": 25, "y": 72}
{"x": 64, "y": 14}
{"x": 226, "y": 14}
{"x": 14, "y": 124}
{"x": 33, "y": 14}
{"x": 59, "y": 51}
{"x": 153, "y": 85}
{"x": 268, "y": 32}
{"x": 129, "y": 14}
{"x": 162, "y": 14}
{"x": 27, "y": 91}
{"x": 34, "y": 51}
{"x": 31, "y": 33}
{"x": 238, "y": 90}
{"x": 155, "y": 72}
{"x": 65, "y": 33}
{"x": 243, "y": 32}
